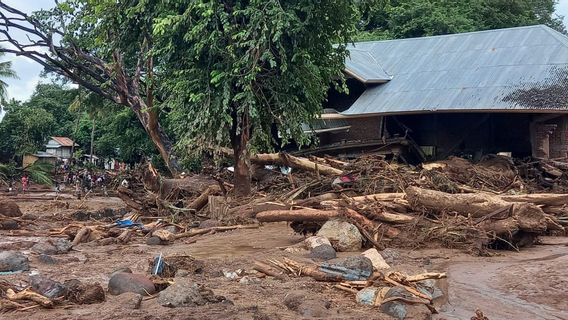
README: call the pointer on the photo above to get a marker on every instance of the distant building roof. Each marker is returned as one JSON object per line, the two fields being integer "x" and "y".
{"x": 42, "y": 154}
{"x": 62, "y": 141}
{"x": 522, "y": 68}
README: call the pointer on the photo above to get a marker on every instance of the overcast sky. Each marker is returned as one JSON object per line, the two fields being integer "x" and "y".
{"x": 28, "y": 71}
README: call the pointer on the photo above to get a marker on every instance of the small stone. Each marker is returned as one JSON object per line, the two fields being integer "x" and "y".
{"x": 11, "y": 261}
{"x": 306, "y": 305}
{"x": 47, "y": 287}
{"x": 249, "y": 280}
{"x": 315, "y": 241}
{"x": 376, "y": 259}
{"x": 323, "y": 252}
{"x": 401, "y": 310}
{"x": 47, "y": 259}
{"x": 367, "y": 296}
{"x": 129, "y": 300}
{"x": 52, "y": 246}
{"x": 9, "y": 225}
{"x": 349, "y": 268}
{"x": 164, "y": 235}
{"x": 344, "y": 236}
{"x": 390, "y": 255}
{"x": 171, "y": 229}
{"x": 9, "y": 208}
{"x": 209, "y": 223}
{"x": 154, "y": 241}
{"x": 182, "y": 273}
{"x": 122, "y": 282}
{"x": 187, "y": 294}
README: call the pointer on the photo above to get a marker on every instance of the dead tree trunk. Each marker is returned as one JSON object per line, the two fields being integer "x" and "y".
{"x": 240, "y": 136}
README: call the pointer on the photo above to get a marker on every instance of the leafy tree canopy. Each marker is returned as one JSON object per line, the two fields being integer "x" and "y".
{"x": 392, "y": 19}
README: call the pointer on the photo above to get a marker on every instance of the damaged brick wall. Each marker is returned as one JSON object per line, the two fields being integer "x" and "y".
{"x": 362, "y": 129}
{"x": 550, "y": 138}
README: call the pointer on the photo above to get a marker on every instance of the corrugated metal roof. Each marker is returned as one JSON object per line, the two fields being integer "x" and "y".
{"x": 362, "y": 66}
{"x": 63, "y": 141}
{"x": 476, "y": 71}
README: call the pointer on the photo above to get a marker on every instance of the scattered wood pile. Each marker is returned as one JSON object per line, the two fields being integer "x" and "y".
{"x": 454, "y": 202}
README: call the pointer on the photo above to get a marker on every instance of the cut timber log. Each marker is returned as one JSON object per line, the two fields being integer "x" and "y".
{"x": 201, "y": 201}
{"x": 512, "y": 215}
{"x": 380, "y": 197}
{"x": 295, "y": 162}
{"x": 543, "y": 199}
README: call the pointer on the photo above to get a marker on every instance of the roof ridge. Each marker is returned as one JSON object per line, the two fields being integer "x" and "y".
{"x": 460, "y": 34}
{"x": 557, "y": 35}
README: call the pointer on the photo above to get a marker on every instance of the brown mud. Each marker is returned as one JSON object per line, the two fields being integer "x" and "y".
{"x": 530, "y": 284}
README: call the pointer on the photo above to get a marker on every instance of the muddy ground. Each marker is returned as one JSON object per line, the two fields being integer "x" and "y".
{"x": 531, "y": 284}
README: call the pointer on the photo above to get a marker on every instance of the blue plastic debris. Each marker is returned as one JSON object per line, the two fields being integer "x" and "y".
{"x": 127, "y": 223}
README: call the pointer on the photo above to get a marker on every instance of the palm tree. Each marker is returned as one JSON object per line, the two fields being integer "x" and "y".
{"x": 6, "y": 71}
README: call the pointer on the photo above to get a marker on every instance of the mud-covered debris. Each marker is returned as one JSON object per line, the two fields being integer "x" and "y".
{"x": 47, "y": 287}
{"x": 52, "y": 246}
{"x": 306, "y": 304}
{"x": 122, "y": 282}
{"x": 84, "y": 293}
{"x": 349, "y": 268}
{"x": 9, "y": 208}
{"x": 185, "y": 293}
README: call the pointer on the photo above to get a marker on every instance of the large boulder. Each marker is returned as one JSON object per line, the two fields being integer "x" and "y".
{"x": 344, "y": 236}
{"x": 121, "y": 282}
{"x": 9, "y": 208}
{"x": 11, "y": 261}
{"x": 185, "y": 293}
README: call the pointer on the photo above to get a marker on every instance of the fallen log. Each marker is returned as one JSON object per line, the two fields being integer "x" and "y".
{"x": 524, "y": 216}
{"x": 543, "y": 199}
{"x": 285, "y": 159}
{"x": 26, "y": 294}
{"x": 268, "y": 270}
{"x": 201, "y": 201}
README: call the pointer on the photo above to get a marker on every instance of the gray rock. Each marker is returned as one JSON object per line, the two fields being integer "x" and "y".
{"x": 323, "y": 252}
{"x": 9, "y": 208}
{"x": 47, "y": 287}
{"x": 46, "y": 259}
{"x": 209, "y": 223}
{"x": 390, "y": 255}
{"x": 9, "y": 225}
{"x": 13, "y": 261}
{"x": 129, "y": 301}
{"x": 306, "y": 305}
{"x": 154, "y": 241}
{"x": 52, "y": 246}
{"x": 349, "y": 268}
{"x": 171, "y": 229}
{"x": 344, "y": 236}
{"x": 249, "y": 280}
{"x": 400, "y": 310}
{"x": 184, "y": 293}
{"x": 122, "y": 282}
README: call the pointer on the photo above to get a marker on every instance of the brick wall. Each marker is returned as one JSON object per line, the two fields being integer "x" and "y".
{"x": 558, "y": 140}
{"x": 362, "y": 129}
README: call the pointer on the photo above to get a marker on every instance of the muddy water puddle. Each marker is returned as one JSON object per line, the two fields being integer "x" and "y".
{"x": 532, "y": 284}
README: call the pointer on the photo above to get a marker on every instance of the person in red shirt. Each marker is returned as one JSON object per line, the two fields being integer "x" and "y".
{"x": 25, "y": 182}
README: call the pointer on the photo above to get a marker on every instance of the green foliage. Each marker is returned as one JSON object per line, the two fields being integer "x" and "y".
{"x": 40, "y": 172}
{"x": 24, "y": 129}
{"x": 384, "y": 19}
{"x": 55, "y": 99}
{"x": 234, "y": 68}
{"x": 5, "y": 72}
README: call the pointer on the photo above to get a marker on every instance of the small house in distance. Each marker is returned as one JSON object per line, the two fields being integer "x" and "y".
{"x": 61, "y": 147}
{"x": 465, "y": 94}
{"x": 39, "y": 156}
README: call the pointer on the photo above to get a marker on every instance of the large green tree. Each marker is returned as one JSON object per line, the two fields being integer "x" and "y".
{"x": 392, "y": 19}
{"x": 225, "y": 70}
{"x": 6, "y": 72}
{"x": 239, "y": 67}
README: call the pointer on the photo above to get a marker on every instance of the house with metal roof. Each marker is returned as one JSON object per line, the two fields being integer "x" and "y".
{"x": 61, "y": 147}
{"x": 472, "y": 93}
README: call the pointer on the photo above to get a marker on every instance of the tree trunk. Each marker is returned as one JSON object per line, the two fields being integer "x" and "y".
{"x": 149, "y": 120}
{"x": 92, "y": 141}
{"x": 240, "y": 136}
